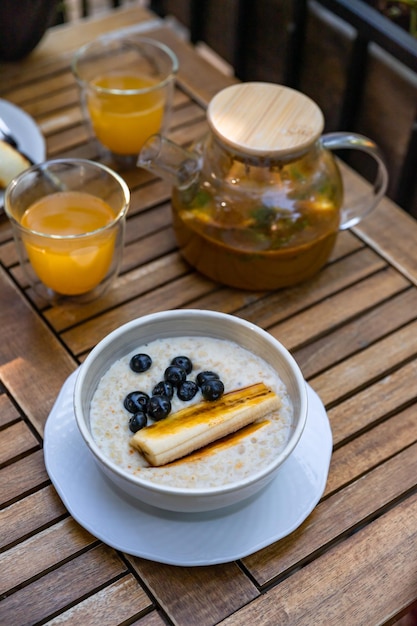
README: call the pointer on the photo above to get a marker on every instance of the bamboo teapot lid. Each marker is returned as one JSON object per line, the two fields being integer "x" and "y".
{"x": 265, "y": 120}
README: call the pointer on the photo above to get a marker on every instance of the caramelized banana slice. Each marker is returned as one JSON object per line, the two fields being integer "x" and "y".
{"x": 223, "y": 443}
{"x": 196, "y": 426}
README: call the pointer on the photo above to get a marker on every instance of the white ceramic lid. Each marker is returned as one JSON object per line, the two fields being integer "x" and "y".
{"x": 264, "y": 119}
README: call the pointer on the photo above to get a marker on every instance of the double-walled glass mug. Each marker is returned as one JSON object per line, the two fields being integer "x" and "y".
{"x": 68, "y": 218}
{"x": 126, "y": 87}
{"x": 258, "y": 202}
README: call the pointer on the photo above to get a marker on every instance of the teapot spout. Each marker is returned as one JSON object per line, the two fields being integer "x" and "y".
{"x": 169, "y": 161}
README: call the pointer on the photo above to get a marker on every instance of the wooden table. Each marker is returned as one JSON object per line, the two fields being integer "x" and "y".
{"x": 353, "y": 330}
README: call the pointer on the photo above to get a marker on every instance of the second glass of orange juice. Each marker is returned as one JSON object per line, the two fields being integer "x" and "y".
{"x": 126, "y": 90}
{"x": 68, "y": 218}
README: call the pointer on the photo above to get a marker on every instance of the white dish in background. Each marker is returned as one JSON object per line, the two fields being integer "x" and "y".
{"x": 186, "y": 539}
{"x": 25, "y": 131}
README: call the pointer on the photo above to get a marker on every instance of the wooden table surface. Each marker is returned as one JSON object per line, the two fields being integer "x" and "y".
{"x": 352, "y": 329}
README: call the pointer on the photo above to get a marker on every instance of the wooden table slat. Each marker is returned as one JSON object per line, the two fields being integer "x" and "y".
{"x": 366, "y": 452}
{"x": 30, "y": 348}
{"x": 378, "y": 401}
{"x": 223, "y": 588}
{"x": 42, "y": 551}
{"x": 30, "y": 514}
{"x": 68, "y": 584}
{"x": 339, "y": 343}
{"x": 339, "y": 514}
{"x": 117, "y": 603}
{"x": 22, "y": 477}
{"x": 82, "y": 338}
{"x": 359, "y": 300}
{"x": 398, "y": 347}
{"x": 16, "y": 440}
{"x": 8, "y": 412}
{"x": 358, "y": 567}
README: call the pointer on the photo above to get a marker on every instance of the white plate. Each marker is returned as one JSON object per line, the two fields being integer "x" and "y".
{"x": 177, "y": 538}
{"x": 26, "y": 132}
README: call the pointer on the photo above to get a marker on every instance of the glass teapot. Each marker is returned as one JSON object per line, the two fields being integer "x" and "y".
{"x": 258, "y": 202}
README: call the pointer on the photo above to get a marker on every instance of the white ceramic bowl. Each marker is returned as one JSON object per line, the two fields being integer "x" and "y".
{"x": 179, "y": 323}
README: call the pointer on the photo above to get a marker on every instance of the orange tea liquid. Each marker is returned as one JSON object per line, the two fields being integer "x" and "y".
{"x": 258, "y": 235}
{"x": 69, "y": 266}
{"x": 123, "y": 122}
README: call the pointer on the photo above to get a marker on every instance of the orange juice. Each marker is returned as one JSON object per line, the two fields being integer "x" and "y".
{"x": 123, "y": 121}
{"x": 65, "y": 257}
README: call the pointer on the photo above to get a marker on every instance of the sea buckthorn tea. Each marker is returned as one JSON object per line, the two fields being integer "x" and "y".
{"x": 70, "y": 269}
{"x": 253, "y": 237}
{"x": 211, "y": 369}
{"x": 126, "y": 90}
{"x": 120, "y": 122}
{"x": 258, "y": 202}
{"x": 68, "y": 220}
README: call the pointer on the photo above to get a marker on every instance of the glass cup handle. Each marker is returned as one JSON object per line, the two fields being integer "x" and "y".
{"x": 359, "y": 206}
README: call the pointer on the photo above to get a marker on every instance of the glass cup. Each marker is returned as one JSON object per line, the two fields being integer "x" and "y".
{"x": 68, "y": 218}
{"x": 126, "y": 87}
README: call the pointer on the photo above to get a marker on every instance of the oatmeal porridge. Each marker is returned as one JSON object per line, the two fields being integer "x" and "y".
{"x": 236, "y": 367}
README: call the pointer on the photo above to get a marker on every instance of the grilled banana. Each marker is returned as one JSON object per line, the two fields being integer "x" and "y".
{"x": 196, "y": 426}
{"x": 223, "y": 443}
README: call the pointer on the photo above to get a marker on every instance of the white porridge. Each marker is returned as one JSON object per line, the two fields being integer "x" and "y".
{"x": 236, "y": 367}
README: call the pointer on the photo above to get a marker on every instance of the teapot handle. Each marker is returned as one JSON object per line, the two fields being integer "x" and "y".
{"x": 352, "y": 214}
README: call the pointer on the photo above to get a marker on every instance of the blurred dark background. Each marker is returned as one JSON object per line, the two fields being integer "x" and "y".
{"x": 356, "y": 58}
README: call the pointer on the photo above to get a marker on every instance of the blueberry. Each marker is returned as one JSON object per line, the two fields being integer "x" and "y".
{"x": 212, "y": 389}
{"x": 175, "y": 375}
{"x": 187, "y": 390}
{"x": 202, "y": 377}
{"x": 163, "y": 388}
{"x": 137, "y": 421}
{"x": 140, "y": 362}
{"x": 159, "y": 407}
{"x": 184, "y": 362}
{"x": 136, "y": 401}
